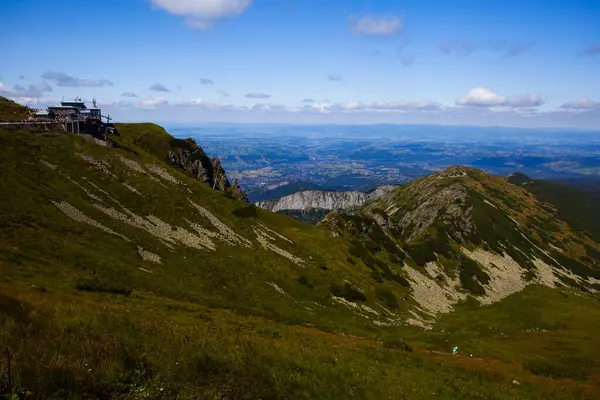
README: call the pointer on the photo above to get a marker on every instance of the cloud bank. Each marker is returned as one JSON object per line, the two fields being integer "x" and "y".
{"x": 486, "y": 98}
{"x": 64, "y": 80}
{"x": 203, "y": 14}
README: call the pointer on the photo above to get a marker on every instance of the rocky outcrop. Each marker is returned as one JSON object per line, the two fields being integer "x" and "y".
{"x": 325, "y": 199}
{"x": 188, "y": 156}
{"x": 438, "y": 207}
{"x": 237, "y": 192}
{"x": 220, "y": 181}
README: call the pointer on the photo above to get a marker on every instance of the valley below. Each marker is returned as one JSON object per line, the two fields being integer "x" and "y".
{"x": 276, "y": 160}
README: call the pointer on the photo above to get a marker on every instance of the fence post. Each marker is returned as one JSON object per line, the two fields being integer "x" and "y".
{"x": 10, "y": 386}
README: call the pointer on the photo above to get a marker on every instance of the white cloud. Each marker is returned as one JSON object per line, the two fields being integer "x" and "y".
{"x": 151, "y": 103}
{"x": 105, "y": 103}
{"x": 486, "y": 98}
{"x": 208, "y": 105}
{"x": 350, "y": 106}
{"x": 334, "y": 78}
{"x": 572, "y": 114}
{"x": 4, "y": 88}
{"x": 206, "y": 81}
{"x": 129, "y": 94}
{"x": 481, "y": 97}
{"x": 64, "y": 80}
{"x": 387, "y": 106}
{"x": 378, "y": 26}
{"x": 30, "y": 95}
{"x": 258, "y": 95}
{"x": 191, "y": 102}
{"x": 398, "y": 107}
{"x": 584, "y": 104}
{"x": 32, "y": 101}
{"x": 525, "y": 101}
{"x": 322, "y": 106}
{"x": 202, "y": 14}
{"x": 271, "y": 107}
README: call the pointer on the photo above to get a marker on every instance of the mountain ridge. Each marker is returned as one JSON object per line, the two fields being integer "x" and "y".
{"x": 465, "y": 233}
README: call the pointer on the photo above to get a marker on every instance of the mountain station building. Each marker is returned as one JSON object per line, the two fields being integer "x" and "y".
{"x": 75, "y": 110}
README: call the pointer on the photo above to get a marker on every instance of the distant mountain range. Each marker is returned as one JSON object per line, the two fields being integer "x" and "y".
{"x": 325, "y": 199}
{"x": 280, "y": 189}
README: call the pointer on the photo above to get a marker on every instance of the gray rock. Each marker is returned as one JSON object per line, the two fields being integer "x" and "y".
{"x": 325, "y": 199}
{"x": 188, "y": 156}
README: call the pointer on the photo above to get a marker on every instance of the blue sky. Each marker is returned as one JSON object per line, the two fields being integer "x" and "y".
{"x": 513, "y": 63}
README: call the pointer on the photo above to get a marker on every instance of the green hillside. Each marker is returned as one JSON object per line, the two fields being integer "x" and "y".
{"x": 11, "y": 111}
{"x": 125, "y": 275}
{"x": 93, "y": 207}
{"x": 311, "y": 216}
{"x": 580, "y": 209}
{"x": 464, "y": 224}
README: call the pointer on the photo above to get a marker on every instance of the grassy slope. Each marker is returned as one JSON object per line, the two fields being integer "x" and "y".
{"x": 231, "y": 277}
{"x": 241, "y": 338}
{"x": 580, "y": 209}
{"x": 108, "y": 345}
{"x": 11, "y": 111}
{"x": 312, "y": 216}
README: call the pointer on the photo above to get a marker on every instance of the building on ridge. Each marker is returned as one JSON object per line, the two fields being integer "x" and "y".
{"x": 75, "y": 110}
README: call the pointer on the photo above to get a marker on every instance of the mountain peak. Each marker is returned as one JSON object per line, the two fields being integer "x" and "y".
{"x": 476, "y": 226}
{"x": 454, "y": 171}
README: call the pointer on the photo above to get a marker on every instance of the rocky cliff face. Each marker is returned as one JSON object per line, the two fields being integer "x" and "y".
{"x": 325, "y": 199}
{"x": 188, "y": 156}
